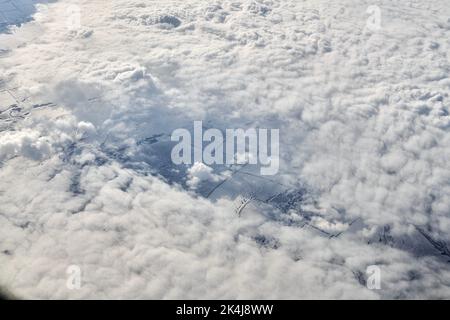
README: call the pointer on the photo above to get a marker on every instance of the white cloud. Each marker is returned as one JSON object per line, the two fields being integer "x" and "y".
{"x": 363, "y": 119}
{"x": 200, "y": 172}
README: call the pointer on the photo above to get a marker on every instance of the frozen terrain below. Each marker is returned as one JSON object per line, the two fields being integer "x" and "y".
{"x": 91, "y": 90}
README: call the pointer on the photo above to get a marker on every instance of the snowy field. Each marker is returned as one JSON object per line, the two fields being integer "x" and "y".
{"x": 91, "y": 90}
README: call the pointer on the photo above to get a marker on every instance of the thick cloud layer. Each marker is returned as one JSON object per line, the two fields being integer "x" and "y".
{"x": 86, "y": 113}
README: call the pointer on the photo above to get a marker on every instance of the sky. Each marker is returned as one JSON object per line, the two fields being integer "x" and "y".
{"x": 90, "y": 93}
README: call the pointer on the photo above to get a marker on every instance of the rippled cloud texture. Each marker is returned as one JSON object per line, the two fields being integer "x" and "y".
{"x": 90, "y": 92}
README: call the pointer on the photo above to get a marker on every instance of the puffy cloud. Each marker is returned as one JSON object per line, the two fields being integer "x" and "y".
{"x": 85, "y": 170}
{"x": 200, "y": 172}
{"x": 24, "y": 143}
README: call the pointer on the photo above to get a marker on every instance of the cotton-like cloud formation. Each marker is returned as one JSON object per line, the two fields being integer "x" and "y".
{"x": 91, "y": 91}
{"x": 200, "y": 172}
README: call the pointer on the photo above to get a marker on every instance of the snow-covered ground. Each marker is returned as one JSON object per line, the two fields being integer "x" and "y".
{"x": 91, "y": 90}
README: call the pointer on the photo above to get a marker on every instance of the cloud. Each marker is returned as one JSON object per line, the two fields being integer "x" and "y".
{"x": 85, "y": 170}
{"x": 200, "y": 172}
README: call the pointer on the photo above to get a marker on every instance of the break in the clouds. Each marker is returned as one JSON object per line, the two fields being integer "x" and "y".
{"x": 90, "y": 92}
